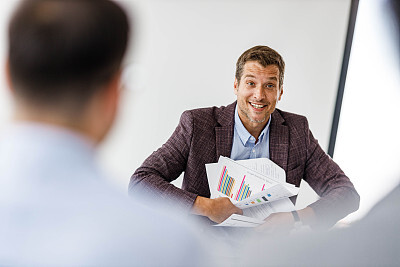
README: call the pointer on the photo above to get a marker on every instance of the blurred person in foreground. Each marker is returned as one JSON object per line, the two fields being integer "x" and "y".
{"x": 56, "y": 208}
{"x": 251, "y": 127}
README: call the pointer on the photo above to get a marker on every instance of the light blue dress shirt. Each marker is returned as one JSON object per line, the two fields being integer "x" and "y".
{"x": 57, "y": 208}
{"x": 244, "y": 144}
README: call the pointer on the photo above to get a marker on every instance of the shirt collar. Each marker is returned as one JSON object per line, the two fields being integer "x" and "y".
{"x": 244, "y": 135}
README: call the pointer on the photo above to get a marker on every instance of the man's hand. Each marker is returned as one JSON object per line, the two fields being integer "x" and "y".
{"x": 217, "y": 210}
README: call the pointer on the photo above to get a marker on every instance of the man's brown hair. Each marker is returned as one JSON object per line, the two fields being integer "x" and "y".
{"x": 265, "y": 56}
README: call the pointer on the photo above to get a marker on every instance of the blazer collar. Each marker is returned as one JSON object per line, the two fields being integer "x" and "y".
{"x": 278, "y": 136}
{"x": 279, "y": 140}
{"x": 226, "y": 115}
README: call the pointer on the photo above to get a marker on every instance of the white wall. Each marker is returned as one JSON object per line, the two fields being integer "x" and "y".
{"x": 184, "y": 57}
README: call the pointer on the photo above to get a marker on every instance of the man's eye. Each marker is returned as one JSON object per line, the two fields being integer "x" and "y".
{"x": 270, "y": 85}
{"x": 250, "y": 83}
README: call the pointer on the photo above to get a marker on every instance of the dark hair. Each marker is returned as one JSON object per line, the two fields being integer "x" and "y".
{"x": 265, "y": 56}
{"x": 65, "y": 50}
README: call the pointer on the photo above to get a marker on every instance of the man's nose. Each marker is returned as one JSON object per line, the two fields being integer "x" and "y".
{"x": 259, "y": 93}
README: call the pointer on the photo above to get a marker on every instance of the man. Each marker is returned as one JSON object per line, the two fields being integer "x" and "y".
{"x": 250, "y": 128}
{"x": 64, "y": 67}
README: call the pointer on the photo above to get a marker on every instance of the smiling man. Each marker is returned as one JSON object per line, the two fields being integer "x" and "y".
{"x": 251, "y": 127}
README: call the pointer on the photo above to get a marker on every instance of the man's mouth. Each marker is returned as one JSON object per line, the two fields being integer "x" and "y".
{"x": 257, "y": 106}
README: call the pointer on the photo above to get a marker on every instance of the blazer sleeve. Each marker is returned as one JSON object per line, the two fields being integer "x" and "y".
{"x": 338, "y": 197}
{"x": 166, "y": 164}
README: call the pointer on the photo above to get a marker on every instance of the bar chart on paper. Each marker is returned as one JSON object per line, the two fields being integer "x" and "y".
{"x": 226, "y": 183}
{"x": 243, "y": 191}
{"x": 226, "y": 186}
{"x": 257, "y": 194}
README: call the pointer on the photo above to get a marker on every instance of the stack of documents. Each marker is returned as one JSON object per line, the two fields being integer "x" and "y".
{"x": 257, "y": 186}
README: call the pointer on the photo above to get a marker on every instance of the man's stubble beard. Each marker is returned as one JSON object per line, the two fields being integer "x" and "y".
{"x": 250, "y": 119}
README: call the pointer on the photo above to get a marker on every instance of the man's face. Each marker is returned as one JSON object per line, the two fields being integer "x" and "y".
{"x": 257, "y": 94}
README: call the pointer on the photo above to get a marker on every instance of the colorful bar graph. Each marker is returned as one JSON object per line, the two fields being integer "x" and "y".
{"x": 243, "y": 192}
{"x": 226, "y": 182}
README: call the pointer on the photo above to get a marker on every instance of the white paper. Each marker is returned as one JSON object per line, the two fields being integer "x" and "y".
{"x": 263, "y": 211}
{"x": 257, "y": 186}
{"x": 240, "y": 183}
{"x": 254, "y": 216}
{"x": 212, "y": 176}
{"x": 266, "y": 167}
{"x": 276, "y": 192}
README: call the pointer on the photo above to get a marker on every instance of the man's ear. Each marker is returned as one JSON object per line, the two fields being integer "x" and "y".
{"x": 113, "y": 90}
{"x": 109, "y": 98}
{"x": 235, "y": 86}
{"x": 105, "y": 108}
{"x": 280, "y": 93}
{"x": 8, "y": 76}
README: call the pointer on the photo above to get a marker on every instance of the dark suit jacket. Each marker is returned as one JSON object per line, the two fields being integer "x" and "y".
{"x": 204, "y": 134}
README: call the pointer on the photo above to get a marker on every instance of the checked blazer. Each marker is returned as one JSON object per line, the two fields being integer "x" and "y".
{"x": 206, "y": 133}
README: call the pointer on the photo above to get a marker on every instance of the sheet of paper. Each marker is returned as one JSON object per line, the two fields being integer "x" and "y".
{"x": 259, "y": 212}
{"x": 266, "y": 167}
{"x": 273, "y": 193}
{"x": 212, "y": 176}
{"x": 263, "y": 211}
{"x": 239, "y": 182}
{"x": 257, "y": 186}
{"x": 255, "y": 216}
{"x": 236, "y": 220}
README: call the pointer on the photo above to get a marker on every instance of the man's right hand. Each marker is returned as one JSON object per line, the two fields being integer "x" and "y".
{"x": 217, "y": 209}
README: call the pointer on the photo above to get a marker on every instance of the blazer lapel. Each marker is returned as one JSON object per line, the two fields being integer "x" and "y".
{"x": 224, "y": 131}
{"x": 278, "y": 140}
{"x": 224, "y": 139}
